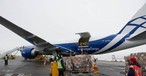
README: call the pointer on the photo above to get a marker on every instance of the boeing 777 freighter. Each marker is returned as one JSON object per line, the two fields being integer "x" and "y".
{"x": 131, "y": 35}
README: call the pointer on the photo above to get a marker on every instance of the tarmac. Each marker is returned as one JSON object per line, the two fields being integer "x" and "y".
{"x": 20, "y": 67}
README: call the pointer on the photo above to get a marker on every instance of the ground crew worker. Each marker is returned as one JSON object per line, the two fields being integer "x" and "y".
{"x": 53, "y": 67}
{"x": 6, "y": 59}
{"x": 61, "y": 67}
{"x": 134, "y": 68}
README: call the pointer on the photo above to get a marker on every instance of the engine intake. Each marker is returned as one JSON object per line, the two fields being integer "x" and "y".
{"x": 29, "y": 53}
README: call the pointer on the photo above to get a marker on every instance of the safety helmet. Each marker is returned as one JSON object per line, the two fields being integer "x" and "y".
{"x": 133, "y": 59}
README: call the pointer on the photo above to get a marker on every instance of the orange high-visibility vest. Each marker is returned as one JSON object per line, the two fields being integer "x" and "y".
{"x": 137, "y": 70}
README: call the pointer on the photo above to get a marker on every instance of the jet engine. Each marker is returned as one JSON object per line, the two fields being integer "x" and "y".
{"x": 28, "y": 53}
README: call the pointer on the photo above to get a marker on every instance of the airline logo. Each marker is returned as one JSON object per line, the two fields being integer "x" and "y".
{"x": 132, "y": 28}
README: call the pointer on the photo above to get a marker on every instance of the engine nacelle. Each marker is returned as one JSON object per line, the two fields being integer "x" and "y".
{"x": 28, "y": 53}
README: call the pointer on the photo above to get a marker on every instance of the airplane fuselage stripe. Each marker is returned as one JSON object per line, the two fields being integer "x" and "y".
{"x": 123, "y": 39}
{"x": 115, "y": 40}
{"x": 128, "y": 35}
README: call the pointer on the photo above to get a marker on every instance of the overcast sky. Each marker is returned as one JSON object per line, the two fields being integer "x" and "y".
{"x": 59, "y": 20}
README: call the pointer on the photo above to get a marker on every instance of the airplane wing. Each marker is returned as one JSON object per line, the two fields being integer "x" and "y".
{"x": 33, "y": 39}
{"x": 140, "y": 36}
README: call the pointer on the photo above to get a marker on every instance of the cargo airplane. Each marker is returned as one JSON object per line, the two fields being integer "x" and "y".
{"x": 131, "y": 35}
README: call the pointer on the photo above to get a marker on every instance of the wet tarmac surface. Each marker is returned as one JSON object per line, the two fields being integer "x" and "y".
{"x": 20, "y": 67}
{"x": 112, "y": 68}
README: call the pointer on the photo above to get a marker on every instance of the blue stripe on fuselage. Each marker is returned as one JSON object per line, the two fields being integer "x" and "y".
{"x": 93, "y": 45}
{"x": 129, "y": 23}
{"x": 129, "y": 34}
{"x": 99, "y": 44}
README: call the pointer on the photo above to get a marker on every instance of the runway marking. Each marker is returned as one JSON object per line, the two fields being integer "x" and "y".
{"x": 8, "y": 75}
{"x": 7, "y": 70}
{"x": 15, "y": 74}
{"x": 21, "y": 75}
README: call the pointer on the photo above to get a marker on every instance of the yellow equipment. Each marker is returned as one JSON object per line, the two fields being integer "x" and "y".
{"x": 95, "y": 69}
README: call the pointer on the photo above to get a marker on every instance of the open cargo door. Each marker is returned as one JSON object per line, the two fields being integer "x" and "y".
{"x": 84, "y": 39}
